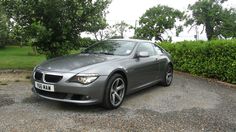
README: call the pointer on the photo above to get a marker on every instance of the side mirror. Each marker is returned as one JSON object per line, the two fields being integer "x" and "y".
{"x": 142, "y": 54}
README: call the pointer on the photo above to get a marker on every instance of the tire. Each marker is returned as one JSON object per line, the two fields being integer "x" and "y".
{"x": 167, "y": 79}
{"x": 115, "y": 92}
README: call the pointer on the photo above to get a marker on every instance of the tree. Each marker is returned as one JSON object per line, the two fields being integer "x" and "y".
{"x": 3, "y": 28}
{"x": 114, "y": 31}
{"x": 102, "y": 34}
{"x": 157, "y": 20}
{"x": 18, "y": 34}
{"x": 119, "y": 29}
{"x": 217, "y": 21}
{"x": 54, "y": 26}
{"x": 228, "y": 25}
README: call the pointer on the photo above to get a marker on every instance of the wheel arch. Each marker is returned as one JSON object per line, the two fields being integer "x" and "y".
{"x": 171, "y": 64}
{"x": 121, "y": 72}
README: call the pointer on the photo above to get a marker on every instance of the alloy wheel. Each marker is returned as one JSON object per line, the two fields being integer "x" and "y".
{"x": 117, "y": 91}
{"x": 169, "y": 75}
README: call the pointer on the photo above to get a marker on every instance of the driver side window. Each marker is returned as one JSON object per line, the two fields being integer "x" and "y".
{"x": 146, "y": 47}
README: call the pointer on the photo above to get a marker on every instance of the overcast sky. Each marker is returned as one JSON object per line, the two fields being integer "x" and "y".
{"x": 131, "y": 10}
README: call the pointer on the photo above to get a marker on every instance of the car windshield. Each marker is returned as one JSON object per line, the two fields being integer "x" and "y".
{"x": 121, "y": 48}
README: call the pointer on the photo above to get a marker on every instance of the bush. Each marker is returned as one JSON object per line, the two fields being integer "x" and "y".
{"x": 214, "y": 59}
{"x": 2, "y": 44}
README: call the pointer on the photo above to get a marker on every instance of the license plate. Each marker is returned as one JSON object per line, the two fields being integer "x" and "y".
{"x": 45, "y": 87}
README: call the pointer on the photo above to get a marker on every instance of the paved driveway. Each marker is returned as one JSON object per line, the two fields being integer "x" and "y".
{"x": 190, "y": 104}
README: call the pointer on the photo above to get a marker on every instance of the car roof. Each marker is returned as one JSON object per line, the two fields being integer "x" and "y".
{"x": 133, "y": 40}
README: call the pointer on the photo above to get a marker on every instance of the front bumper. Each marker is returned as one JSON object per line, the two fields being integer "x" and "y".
{"x": 68, "y": 100}
{"x": 72, "y": 92}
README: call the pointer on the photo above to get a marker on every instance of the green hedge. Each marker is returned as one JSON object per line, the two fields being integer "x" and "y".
{"x": 214, "y": 59}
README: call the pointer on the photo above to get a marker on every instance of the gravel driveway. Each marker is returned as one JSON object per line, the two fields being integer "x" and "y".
{"x": 189, "y": 104}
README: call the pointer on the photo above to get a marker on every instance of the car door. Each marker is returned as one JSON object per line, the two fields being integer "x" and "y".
{"x": 161, "y": 61}
{"x": 144, "y": 68}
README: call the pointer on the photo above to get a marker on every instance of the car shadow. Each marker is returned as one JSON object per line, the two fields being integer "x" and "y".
{"x": 143, "y": 91}
{"x": 99, "y": 108}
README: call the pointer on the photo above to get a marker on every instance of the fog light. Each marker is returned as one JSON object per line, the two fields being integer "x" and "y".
{"x": 85, "y": 98}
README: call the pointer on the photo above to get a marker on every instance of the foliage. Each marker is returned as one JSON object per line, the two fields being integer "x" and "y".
{"x": 54, "y": 26}
{"x": 120, "y": 28}
{"x": 218, "y": 22}
{"x": 228, "y": 27}
{"x": 85, "y": 42}
{"x": 3, "y": 28}
{"x": 214, "y": 59}
{"x": 17, "y": 34}
{"x": 103, "y": 34}
{"x": 112, "y": 31}
{"x": 158, "y": 20}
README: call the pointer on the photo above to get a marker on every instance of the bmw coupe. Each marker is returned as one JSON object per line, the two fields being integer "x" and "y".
{"x": 103, "y": 73}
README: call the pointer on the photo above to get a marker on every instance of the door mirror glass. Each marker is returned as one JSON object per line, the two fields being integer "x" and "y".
{"x": 143, "y": 54}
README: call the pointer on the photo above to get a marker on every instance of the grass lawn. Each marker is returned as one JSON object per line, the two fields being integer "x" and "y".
{"x": 13, "y": 57}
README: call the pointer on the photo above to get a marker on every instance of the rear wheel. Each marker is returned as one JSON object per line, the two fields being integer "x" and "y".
{"x": 167, "y": 80}
{"x": 115, "y": 92}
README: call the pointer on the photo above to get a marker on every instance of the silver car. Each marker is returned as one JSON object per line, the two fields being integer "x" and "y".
{"x": 103, "y": 73}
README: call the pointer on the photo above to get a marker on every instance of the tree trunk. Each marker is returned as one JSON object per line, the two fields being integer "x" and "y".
{"x": 122, "y": 34}
{"x": 158, "y": 38}
{"x": 209, "y": 30}
{"x": 95, "y": 35}
{"x": 34, "y": 50}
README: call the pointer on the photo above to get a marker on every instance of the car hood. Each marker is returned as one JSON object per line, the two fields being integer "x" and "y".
{"x": 73, "y": 62}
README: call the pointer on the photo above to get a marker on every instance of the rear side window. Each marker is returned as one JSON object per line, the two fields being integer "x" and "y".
{"x": 146, "y": 47}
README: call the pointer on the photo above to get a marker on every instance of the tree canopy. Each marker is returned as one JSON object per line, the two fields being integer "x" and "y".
{"x": 3, "y": 28}
{"x": 54, "y": 26}
{"x": 217, "y": 21}
{"x": 157, "y": 20}
{"x": 119, "y": 29}
{"x": 228, "y": 25}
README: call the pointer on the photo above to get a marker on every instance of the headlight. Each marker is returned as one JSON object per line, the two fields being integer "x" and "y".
{"x": 84, "y": 78}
